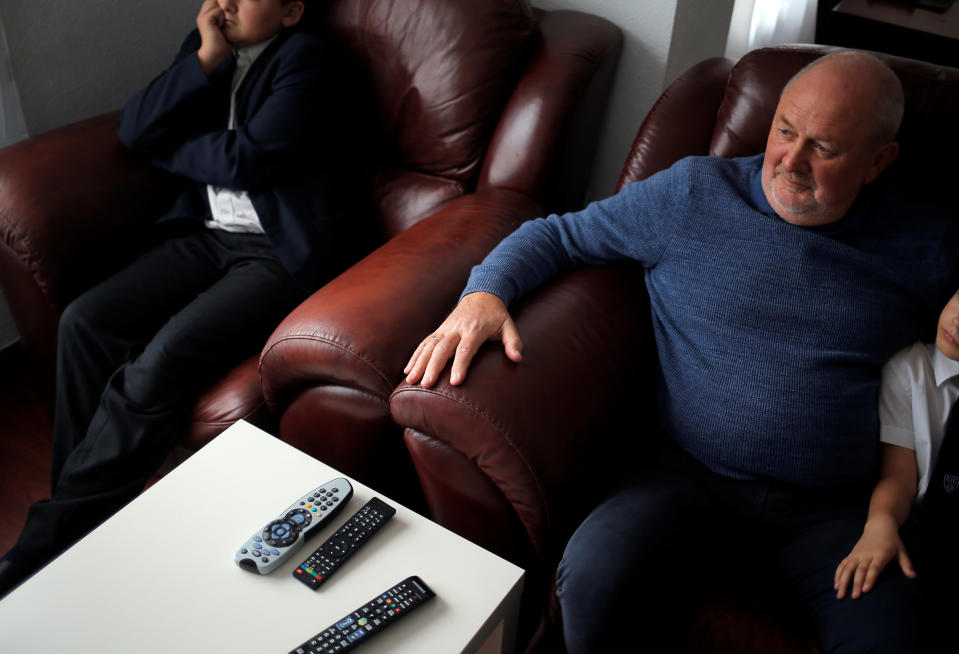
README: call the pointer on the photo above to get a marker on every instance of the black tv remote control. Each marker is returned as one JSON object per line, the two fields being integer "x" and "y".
{"x": 272, "y": 545}
{"x": 371, "y": 618}
{"x": 329, "y": 556}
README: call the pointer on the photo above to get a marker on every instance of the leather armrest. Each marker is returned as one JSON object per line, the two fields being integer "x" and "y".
{"x": 682, "y": 121}
{"x": 67, "y": 198}
{"x": 545, "y": 140}
{"x": 360, "y": 329}
{"x": 554, "y": 431}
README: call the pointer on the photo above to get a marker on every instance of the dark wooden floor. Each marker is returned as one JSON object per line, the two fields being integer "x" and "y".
{"x": 25, "y": 431}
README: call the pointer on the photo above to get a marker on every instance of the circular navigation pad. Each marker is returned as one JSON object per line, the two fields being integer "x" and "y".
{"x": 281, "y": 533}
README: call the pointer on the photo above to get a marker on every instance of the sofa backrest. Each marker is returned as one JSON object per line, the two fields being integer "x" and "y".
{"x": 750, "y": 95}
{"x": 438, "y": 74}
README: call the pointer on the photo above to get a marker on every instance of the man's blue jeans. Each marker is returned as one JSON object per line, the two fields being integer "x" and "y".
{"x": 668, "y": 538}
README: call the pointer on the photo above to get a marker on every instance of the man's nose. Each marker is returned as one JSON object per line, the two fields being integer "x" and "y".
{"x": 228, "y": 5}
{"x": 795, "y": 158}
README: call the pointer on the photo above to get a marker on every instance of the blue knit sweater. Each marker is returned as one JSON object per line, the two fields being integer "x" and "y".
{"x": 771, "y": 337}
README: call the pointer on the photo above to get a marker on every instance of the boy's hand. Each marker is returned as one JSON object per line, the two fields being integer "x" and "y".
{"x": 214, "y": 48}
{"x": 879, "y": 544}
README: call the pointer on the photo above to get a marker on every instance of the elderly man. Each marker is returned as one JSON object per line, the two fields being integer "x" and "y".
{"x": 779, "y": 284}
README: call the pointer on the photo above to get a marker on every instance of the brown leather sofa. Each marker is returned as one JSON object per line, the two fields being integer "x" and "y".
{"x": 515, "y": 458}
{"x": 484, "y": 114}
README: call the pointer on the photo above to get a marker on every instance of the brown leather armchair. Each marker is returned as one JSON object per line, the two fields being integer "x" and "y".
{"x": 516, "y": 457}
{"x": 330, "y": 367}
{"x": 484, "y": 115}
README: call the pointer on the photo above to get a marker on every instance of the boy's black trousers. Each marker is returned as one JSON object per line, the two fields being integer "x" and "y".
{"x": 133, "y": 354}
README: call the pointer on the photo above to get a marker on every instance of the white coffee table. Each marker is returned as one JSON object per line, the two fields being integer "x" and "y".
{"x": 159, "y": 575}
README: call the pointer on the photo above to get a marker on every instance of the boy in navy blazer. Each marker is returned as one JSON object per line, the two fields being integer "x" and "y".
{"x": 242, "y": 119}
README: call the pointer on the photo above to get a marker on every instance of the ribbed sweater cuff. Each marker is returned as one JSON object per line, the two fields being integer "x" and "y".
{"x": 490, "y": 281}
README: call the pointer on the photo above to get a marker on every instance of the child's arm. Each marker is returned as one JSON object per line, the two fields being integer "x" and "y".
{"x": 163, "y": 112}
{"x": 891, "y": 501}
{"x": 158, "y": 117}
{"x": 287, "y": 125}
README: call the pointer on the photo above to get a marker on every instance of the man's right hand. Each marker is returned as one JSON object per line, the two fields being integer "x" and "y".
{"x": 214, "y": 48}
{"x": 479, "y": 317}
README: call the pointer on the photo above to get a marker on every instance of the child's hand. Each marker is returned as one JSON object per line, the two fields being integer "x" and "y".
{"x": 879, "y": 544}
{"x": 214, "y": 48}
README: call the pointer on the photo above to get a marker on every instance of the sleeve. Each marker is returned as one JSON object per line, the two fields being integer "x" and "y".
{"x": 895, "y": 403}
{"x": 245, "y": 157}
{"x": 637, "y": 223}
{"x": 165, "y": 110}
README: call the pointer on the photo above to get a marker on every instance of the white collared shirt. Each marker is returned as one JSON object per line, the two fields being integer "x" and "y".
{"x": 919, "y": 386}
{"x": 233, "y": 210}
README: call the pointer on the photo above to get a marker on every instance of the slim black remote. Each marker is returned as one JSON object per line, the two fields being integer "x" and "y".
{"x": 374, "y": 616}
{"x": 272, "y": 545}
{"x": 336, "y": 549}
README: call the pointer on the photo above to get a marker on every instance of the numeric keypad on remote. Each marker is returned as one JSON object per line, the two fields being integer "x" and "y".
{"x": 329, "y": 556}
{"x": 374, "y": 616}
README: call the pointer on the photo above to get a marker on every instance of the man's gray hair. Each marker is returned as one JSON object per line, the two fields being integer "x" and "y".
{"x": 890, "y": 100}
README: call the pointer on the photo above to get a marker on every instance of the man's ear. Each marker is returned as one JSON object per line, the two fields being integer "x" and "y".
{"x": 293, "y": 12}
{"x": 883, "y": 157}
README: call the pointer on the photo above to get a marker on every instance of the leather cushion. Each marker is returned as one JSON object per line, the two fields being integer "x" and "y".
{"x": 439, "y": 70}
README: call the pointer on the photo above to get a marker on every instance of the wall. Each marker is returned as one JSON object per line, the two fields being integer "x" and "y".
{"x": 73, "y": 60}
{"x": 662, "y": 38}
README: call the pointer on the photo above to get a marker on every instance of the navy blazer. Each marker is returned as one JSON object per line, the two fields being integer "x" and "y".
{"x": 280, "y": 152}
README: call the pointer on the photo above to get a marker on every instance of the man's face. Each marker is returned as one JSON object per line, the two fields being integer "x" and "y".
{"x": 947, "y": 336}
{"x": 821, "y": 148}
{"x": 248, "y": 22}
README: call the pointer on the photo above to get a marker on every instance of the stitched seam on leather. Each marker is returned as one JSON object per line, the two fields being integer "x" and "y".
{"x": 342, "y": 346}
{"x": 12, "y": 233}
{"x": 18, "y": 240}
{"x": 486, "y": 416}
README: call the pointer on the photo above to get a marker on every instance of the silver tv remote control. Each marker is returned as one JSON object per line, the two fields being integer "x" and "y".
{"x": 271, "y": 546}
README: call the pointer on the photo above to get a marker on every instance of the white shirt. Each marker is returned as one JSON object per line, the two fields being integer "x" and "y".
{"x": 919, "y": 387}
{"x": 233, "y": 210}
